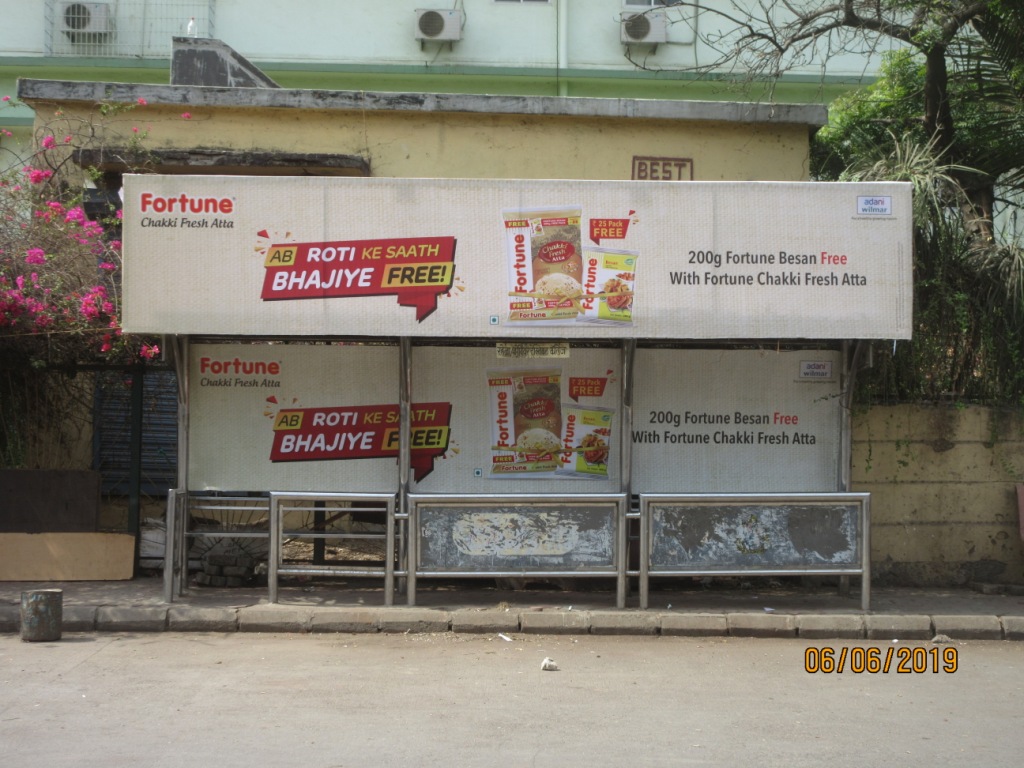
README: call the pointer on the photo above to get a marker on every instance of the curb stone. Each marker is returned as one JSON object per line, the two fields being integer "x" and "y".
{"x": 79, "y": 618}
{"x": 114, "y": 618}
{"x": 10, "y": 618}
{"x": 623, "y": 623}
{"x": 263, "y": 618}
{"x": 469, "y": 620}
{"x": 345, "y": 620}
{"x": 838, "y": 626}
{"x": 414, "y": 620}
{"x": 761, "y": 625}
{"x": 968, "y": 627}
{"x": 1013, "y": 627}
{"x": 694, "y": 624}
{"x": 555, "y": 623}
{"x": 898, "y": 627}
{"x": 186, "y": 619}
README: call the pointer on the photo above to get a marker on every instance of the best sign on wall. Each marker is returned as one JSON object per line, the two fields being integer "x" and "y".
{"x": 253, "y": 256}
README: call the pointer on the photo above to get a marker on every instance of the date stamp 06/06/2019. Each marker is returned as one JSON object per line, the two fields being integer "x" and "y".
{"x": 903, "y": 660}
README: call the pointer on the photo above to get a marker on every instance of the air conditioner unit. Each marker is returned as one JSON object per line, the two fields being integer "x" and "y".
{"x": 648, "y": 28}
{"x": 85, "y": 21}
{"x": 440, "y": 25}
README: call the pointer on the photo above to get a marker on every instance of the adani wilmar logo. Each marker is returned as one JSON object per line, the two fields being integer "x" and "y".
{"x": 414, "y": 269}
{"x": 184, "y": 211}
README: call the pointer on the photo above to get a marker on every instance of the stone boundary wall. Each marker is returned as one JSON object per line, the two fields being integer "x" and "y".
{"x": 943, "y": 493}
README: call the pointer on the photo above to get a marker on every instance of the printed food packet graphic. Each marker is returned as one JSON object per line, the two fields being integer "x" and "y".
{"x": 587, "y": 440}
{"x": 609, "y": 284}
{"x": 526, "y": 410}
{"x": 545, "y": 263}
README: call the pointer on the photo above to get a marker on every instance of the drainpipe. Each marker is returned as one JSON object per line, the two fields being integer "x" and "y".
{"x": 562, "y": 24}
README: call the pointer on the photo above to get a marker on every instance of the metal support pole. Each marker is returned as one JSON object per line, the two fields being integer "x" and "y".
{"x": 405, "y": 454}
{"x": 179, "y": 345}
{"x": 625, "y": 471}
{"x": 865, "y": 577}
{"x": 135, "y": 463}
{"x": 170, "y": 550}
{"x": 274, "y": 551}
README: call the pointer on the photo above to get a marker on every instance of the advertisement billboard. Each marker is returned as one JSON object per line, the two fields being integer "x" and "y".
{"x": 736, "y": 421}
{"x": 270, "y": 257}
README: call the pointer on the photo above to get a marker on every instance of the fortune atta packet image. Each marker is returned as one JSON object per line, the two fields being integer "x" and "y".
{"x": 609, "y": 286}
{"x": 526, "y": 421}
{"x": 545, "y": 264}
{"x": 586, "y": 441}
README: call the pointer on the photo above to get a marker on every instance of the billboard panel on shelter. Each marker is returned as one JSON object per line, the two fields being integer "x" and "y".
{"x": 265, "y": 257}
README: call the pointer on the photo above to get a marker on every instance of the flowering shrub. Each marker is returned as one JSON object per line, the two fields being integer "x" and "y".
{"x": 60, "y": 291}
{"x": 59, "y": 270}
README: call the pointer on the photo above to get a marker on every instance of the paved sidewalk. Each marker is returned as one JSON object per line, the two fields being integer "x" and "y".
{"x": 476, "y": 606}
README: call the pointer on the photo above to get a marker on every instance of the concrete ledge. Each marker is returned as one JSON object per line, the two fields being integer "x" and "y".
{"x": 694, "y": 624}
{"x": 826, "y": 626}
{"x": 79, "y": 618}
{"x": 623, "y": 623}
{"x": 1013, "y": 627}
{"x": 555, "y": 622}
{"x": 31, "y": 90}
{"x": 968, "y": 627}
{"x": 761, "y": 625}
{"x": 345, "y": 620}
{"x": 468, "y": 620}
{"x": 898, "y": 627}
{"x": 414, "y": 620}
{"x": 111, "y": 618}
{"x": 274, "y": 618}
{"x": 186, "y": 619}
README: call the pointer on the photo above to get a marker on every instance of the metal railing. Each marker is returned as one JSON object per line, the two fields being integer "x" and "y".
{"x": 318, "y": 517}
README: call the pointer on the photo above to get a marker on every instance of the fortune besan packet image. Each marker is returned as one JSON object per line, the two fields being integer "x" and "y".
{"x": 586, "y": 441}
{"x": 609, "y": 286}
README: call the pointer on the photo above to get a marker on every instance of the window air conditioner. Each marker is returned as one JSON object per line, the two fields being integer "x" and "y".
{"x": 441, "y": 25}
{"x": 85, "y": 21}
{"x": 648, "y": 28}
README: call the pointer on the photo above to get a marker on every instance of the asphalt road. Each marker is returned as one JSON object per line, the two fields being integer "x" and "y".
{"x": 327, "y": 701}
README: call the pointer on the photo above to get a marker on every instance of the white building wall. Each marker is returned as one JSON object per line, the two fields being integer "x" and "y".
{"x": 510, "y": 36}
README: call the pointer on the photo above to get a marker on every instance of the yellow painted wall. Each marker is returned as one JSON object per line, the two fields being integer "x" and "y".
{"x": 463, "y": 145}
{"x": 943, "y": 492}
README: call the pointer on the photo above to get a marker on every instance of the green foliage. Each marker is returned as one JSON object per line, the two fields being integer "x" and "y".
{"x": 968, "y": 342}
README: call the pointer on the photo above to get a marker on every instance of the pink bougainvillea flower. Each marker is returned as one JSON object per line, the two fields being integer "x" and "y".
{"x": 186, "y": 115}
{"x": 149, "y": 352}
{"x": 6, "y": 98}
{"x": 142, "y": 102}
{"x": 48, "y": 142}
{"x": 35, "y": 256}
{"x": 37, "y": 175}
{"x": 135, "y": 129}
{"x": 108, "y": 266}
{"x": 67, "y": 139}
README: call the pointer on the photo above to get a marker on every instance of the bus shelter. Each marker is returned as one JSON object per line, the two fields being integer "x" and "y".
{"x": 512, "y": 378}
